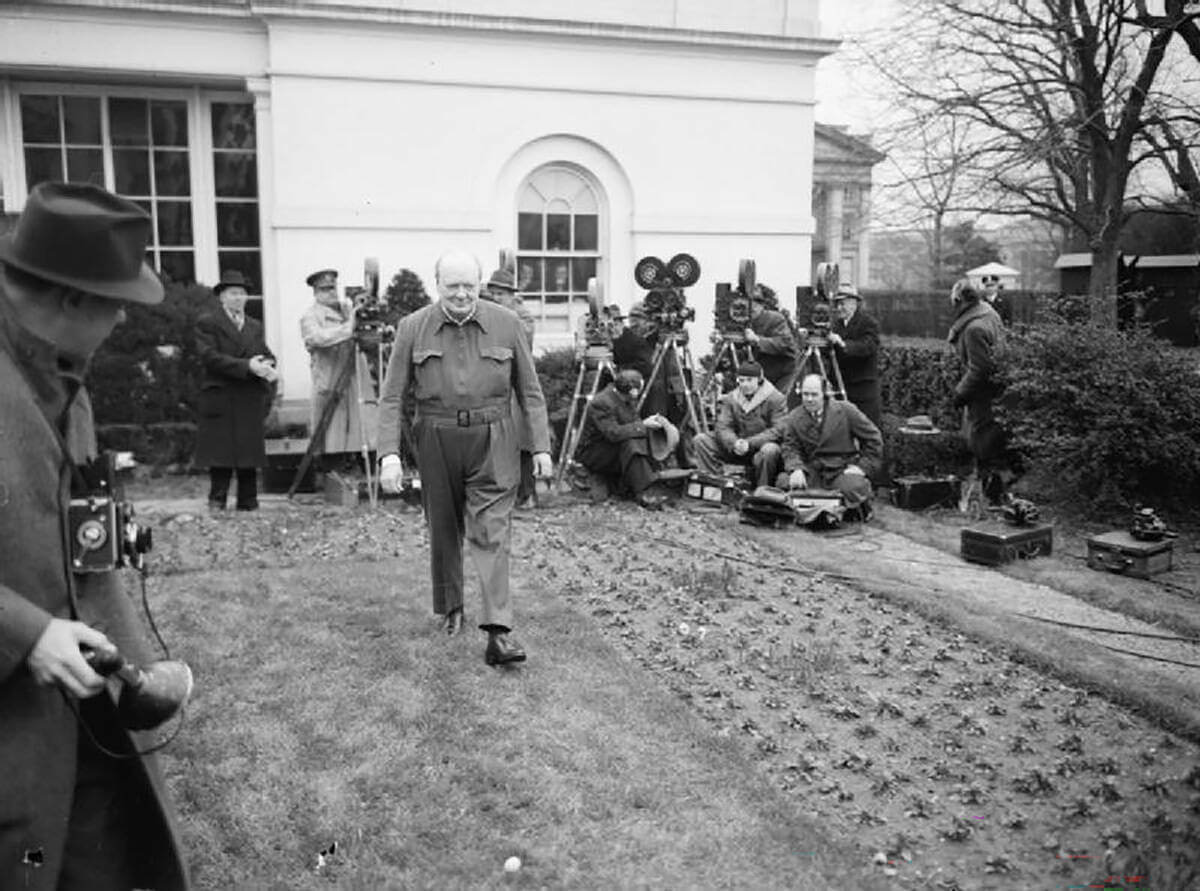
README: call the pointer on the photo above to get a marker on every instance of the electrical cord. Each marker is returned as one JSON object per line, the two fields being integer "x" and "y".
{"x": 1191, "y": 640}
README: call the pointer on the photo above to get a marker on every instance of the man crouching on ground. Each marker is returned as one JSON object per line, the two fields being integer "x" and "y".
{"x": 745, "y": 431}
{"x": 465, "y": 360}
{"x": 829, "y": 444}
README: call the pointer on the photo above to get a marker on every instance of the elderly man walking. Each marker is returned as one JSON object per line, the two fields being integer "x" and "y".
{"x": 464, "y": 360}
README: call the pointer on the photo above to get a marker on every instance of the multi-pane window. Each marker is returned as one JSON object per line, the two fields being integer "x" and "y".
{"x": 558, "y": 245}
{"x": 235, "y": 175}
{"x": 151, "y": 167}
{"x": 144, "y": 145}
{"x": 147, "y": 149}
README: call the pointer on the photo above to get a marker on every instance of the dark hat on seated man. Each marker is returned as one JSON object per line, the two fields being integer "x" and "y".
{"x": 750, "y": 369}
{"x": 231, "y": 278}
{"x": 845, "y": 289}
{"x": 84, "y": 237}
{"x": 321, "y": 278}
{"x": 503, "y": 280}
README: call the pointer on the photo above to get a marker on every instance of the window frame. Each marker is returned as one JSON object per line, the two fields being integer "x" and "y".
{"x": 198, "y": 103}
{"x": 576, "y": 302}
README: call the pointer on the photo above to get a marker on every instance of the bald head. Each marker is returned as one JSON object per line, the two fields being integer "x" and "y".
{"x": 458, "y": 275}
{"x": 812, "y": 391}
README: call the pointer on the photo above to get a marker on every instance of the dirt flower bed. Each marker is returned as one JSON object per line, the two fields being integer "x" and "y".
{"x": 950, "y": 764}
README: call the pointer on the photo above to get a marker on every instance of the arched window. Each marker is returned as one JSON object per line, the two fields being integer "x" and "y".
{"x": 558, "y": 245}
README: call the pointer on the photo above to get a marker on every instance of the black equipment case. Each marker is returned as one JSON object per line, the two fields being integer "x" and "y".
{"x": 996, "y": 543}
{"x": 1120, "y": 552}
{"x": 921, "y": 492}
{"x": 713, "y": 489}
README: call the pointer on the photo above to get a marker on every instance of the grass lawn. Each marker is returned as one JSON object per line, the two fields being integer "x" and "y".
{"x": 327, "y": 709}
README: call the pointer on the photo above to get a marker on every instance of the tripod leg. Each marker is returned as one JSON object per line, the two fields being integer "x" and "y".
{"x": 683, "y": 361}
{"x": 362, "y": 378}
{"x": 317, "y": 435}
{"x": 566, "y": 450}
{"x": 660, "y": 352}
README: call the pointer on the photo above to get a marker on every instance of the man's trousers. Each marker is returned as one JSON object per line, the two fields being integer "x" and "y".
{"x": 469, "y": 479}
{"x": 711, "y": 455}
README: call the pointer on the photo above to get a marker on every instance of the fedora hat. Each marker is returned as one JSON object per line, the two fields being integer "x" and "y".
{"x": 81, "y": 236}
{"x": 231, "y": 278}
{"x": 503, "y": 279}
{"x": 662, "y": 440}
{"x": 845, "y": 289}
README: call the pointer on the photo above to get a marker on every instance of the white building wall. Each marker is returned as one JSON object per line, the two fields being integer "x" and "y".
{"x": 397, "y": 140}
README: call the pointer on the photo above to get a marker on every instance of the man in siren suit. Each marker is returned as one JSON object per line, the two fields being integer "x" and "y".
{"x": 465, "y": 359}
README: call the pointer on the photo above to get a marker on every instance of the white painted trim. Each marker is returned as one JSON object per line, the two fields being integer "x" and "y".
{"x": 12, "y": 166}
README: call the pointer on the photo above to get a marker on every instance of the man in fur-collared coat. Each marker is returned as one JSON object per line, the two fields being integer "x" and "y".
{"x": 745, "y": 431}
{"x": 72, "y": 816}
{"x": 327, "y": 328}
{"x": 829, "y": 444}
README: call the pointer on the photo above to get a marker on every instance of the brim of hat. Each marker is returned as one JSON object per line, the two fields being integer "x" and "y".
{"x": 146, "y": 288}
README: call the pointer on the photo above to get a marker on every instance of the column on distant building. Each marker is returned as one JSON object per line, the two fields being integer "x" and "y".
{"x": 862, "y": 275}
{"x": 834, "y": 208}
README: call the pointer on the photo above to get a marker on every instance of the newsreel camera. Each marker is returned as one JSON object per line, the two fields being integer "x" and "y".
{"x": 821, "y": 315}
{"x": 372, "y": 325}
{"x": 103, "y": 532}
{"x": 732, "y": 305}
{"x": 666, "y": 306}
{"x": 600, "y": 329}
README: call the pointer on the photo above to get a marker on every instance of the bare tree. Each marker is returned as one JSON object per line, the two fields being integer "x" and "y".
{"x": 1062, "y": 102}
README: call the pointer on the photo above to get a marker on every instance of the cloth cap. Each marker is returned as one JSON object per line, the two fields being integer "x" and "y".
{"x": 321, "y": 278}
{"x": 503, "y": 280}
{"x": 750, "y": 369}
{"x": 84, "y": 237}
{"x": 231, "y": 278}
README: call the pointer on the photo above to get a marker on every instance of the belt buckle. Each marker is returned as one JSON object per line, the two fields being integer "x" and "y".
{"x": 464, "y": 417}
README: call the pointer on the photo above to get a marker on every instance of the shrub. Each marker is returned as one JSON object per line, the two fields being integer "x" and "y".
{"x": 557, "y": 372}
{"x": 1109, "y": 414}
{"x": 147, "y": 371}
{"x": 919, "y": 379}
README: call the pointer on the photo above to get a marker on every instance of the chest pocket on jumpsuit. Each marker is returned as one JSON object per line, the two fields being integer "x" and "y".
{"x": 427, "y": 374}
{"x": 495, "y": 370}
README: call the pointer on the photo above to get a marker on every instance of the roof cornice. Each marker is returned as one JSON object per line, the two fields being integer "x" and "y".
{"x": 330, "y": 10}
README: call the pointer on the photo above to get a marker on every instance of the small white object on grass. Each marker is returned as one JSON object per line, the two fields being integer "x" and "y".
{"x": 512, "y": 864}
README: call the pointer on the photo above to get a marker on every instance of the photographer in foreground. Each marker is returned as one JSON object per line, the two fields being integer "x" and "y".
{"x": 71, "y": 815}
{"x": 327, "y": 328}
{"x": 745, "y": 430}
{"x": 829, "y": 444}
{"x": 615, "y": 441}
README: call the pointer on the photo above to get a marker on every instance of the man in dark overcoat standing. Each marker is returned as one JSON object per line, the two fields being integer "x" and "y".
{"x": 854, "y": 336}
{"x": 72, "y": 816}
{"x": 235, "y": 395}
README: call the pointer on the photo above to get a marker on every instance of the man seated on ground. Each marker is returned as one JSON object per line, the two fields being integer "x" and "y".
{"x": 829, "y": 444}
{"x": 745, "y": 430}
{"x": 615, "y": 443}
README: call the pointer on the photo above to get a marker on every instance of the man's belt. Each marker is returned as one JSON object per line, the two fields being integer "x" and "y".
{"x": 463, "y": 417}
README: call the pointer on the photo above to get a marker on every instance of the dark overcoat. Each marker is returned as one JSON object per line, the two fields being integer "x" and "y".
{"x": 38, "y": 729}
{"x": 977, "y": 334}
{"x": 233, "y": 402}
{"x": 858, "y": 361}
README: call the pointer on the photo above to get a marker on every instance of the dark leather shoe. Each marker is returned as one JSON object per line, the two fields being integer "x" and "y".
{"x": 501, "y": 650}
{"x": 452, "y": 622}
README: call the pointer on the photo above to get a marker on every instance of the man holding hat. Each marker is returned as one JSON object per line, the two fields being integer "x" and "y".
{"x": 502, "y": 289}
{"x": 854, "y": 335}
{"x": 327, "y": 328}
{"x": 771, "y": 340}
{"x": 621, "y": 447}
{"x": 745, "y": 430}
{"x": 72, "y": 816}
{"x": 235, "y": 395}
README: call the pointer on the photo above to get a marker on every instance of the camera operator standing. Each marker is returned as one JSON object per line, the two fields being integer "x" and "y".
{"x": 855, "y": 336}
{"x": 71, "y": 816}
{"x": 327, "y": 328}
{"x": 771, "y": 339}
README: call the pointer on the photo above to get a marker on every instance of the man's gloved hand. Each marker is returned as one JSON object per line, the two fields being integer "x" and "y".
{"x": 391, "y": 473}
{"x": 740, "y": 447}
{"x": 543, "y": 465}
{"x": 797, "y": 480}
{"x": 56, "y": 659}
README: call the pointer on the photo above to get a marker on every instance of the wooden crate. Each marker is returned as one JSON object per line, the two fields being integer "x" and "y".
{"x": 1120, "y": 552}
{"x": 921, "y": 492}
{"x": 995, "y": 543}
